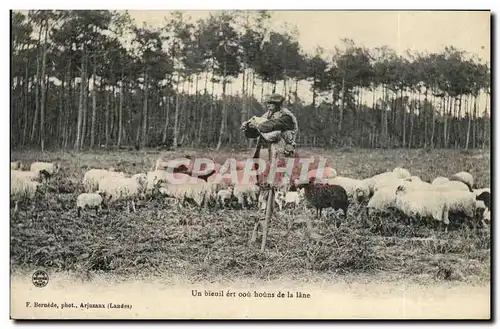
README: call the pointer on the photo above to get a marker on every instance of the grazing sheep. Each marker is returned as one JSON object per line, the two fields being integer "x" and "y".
{"x": 382, "y": 200}
{"x": 35, "y": 176}
{"x": 176, "y": 191}
{"x": 418, "y": 185}
{"x": 357, "y": 190}
{"x": 388, "y": 182}
{"x": 451, "y": 186}
{"x": 440, "y": 180}
{"x": 460, "y": 203}
{"x": 192, "y": 189}
{"x": 92, "y": 178}
{"x": 423, "y": 204}
{"x": 323, "y": 196}
{"x": 294, "y": 199}
{"x": 247, "y": 194}
{"x": 481, "y": 190}
{"x": 89, "y": 200}
{"x": 328, "y": 173}
{"x": 123, "y": 188}
{"x": 485, "y": 196}
{"x": 224, "y": 196}
{"x": 401, "y": 173}
{"x": 413, "y": 179}
{"x": 155, "y": 177}
{"x": 51, "y": 168}
{"x": 22, "y": 188}
{"x": 16, "y": 165}
{"x": 392, "y": 177}
{"x": 465, "y": 178}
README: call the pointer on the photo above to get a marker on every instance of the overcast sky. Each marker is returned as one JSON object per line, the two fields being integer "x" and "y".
{"x": 423, "y": 31}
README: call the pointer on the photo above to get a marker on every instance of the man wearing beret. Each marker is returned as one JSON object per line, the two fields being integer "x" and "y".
{"x": 280, "y": 122}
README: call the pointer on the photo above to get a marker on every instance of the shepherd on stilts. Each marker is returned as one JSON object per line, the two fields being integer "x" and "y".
{"x": 276, "y": 130}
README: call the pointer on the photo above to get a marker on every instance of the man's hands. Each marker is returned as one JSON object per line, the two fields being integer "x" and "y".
{"x": 251, "y": 123}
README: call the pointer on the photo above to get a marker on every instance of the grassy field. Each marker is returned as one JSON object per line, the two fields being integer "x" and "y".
{"x": 198, "y": 245}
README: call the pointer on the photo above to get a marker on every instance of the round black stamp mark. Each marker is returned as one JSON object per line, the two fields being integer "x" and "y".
{"x": 40, "y": 278}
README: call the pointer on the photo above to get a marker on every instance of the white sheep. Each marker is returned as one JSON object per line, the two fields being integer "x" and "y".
{"x": 153, "y": 177}
{"x": 224, "y": 196}
{"x": 92, "y": 178}
{"x": 451, "y": 186}
{"x": 175, "y": 191}
{"x": 391, "y": 182}
{"x": 382, "y": 200}
{"x": 89, "y": 200}
{"x": 418, "y": 185}
{"x": 422, "y": 203}
{"x": 401, "y": 173}
{"x": 185, "y": 188}
{"x": 123, "y": 188}
{"x": 199, "y": 192}
{"x": 386, "y": 178}
{"x": 22, "y": 188}
{"x": 16, "y": 165}
{"x": 51, "y": 168}
{"x": 465, "y": 178}
{"x": 460, "y": 202}
{"x": 356, "y": 189}
{"x": 414, "y": 179}
{"x": 30, "y": 175}
{"x": 246, "y": 193}
{"x": 294, "y": 199}
{"x": 440, "y": 180}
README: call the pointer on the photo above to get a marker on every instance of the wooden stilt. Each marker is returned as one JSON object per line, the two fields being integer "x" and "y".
{"x": 269, "y": 212}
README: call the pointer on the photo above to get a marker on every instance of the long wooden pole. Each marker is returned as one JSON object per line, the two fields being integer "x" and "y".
{"x": 270, "y": 199}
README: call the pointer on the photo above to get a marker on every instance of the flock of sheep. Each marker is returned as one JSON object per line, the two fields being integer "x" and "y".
{"x": 438, "y": 200}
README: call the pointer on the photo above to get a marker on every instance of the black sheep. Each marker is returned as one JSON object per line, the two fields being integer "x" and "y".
{"x": 485, "y": 197}
{"x": 323, "y": 196}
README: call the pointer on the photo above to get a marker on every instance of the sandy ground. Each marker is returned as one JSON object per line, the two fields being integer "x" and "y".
{"x": 167, "y": 299}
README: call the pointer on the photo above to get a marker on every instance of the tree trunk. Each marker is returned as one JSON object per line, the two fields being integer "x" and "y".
{"x": 411, "y": 123}
{"x": 80, "y": 103}
{"x": 433, "y": 118}
{"x": 120, "y": 112}
{"x": 341, "y": 113}
{"x": 25, "y": 107}
{"x": 85, "y": 106}
{"x": 167, "y": 116}
{"x": 42, "y": 81}
{"x": 474, "y": 117}
{"x": 404, "y": 119}
{"x": 176, "y": 115}
{"x": 224, "y": 109}
{"x": 485, "y": 130}
{"x": 107, "y": 95}
{"x": 445, "y": 127}
{"x": 94, "y": 107}
{"x": 37, "y": 88}
{"x": 145, "y": 110}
